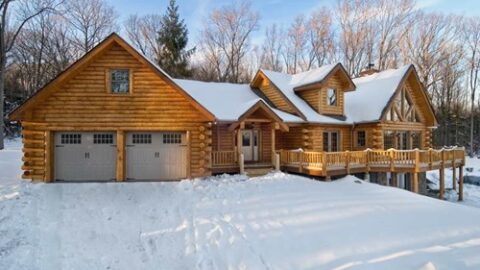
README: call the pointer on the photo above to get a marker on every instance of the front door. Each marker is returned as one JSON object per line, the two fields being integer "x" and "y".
{"x": 250, "y": 144}
{"x": 403, "y": 142}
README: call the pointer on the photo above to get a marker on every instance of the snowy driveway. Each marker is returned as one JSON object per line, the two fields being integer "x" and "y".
{"x": 275, "y": 222}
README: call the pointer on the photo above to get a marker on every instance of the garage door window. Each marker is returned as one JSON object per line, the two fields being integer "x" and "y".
{"x": 103, "y": 138}
{"x": 172, "y": 138}
{"x": 142, "y": 138}
{"x": 70, "y": 138}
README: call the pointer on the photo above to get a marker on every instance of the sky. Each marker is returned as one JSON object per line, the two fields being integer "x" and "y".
{"x": 281, "y": 12}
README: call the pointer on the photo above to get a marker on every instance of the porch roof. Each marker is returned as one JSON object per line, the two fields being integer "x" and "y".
{"x": 229, "y": 101}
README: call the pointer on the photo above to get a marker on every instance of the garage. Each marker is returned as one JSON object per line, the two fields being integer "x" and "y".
{"x": 85, "y": 156}
{"x": 156, "y": 155}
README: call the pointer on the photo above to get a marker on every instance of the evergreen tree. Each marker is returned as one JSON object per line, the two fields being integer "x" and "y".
{"x": 172, "y": 40}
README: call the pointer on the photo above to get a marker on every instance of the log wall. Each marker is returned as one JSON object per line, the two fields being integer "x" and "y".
{"x": 84, "y": 104}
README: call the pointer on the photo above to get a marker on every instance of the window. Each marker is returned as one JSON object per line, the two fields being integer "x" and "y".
{"x": 246, "y": 139}
{"x": 361, "y": 138}
{"x": 71, "y": 138}
{"x": 388, "y": 139}
{"x": 172, "y": 138}
{"x": 120, "y": 81}
{"x": 332, "y": 97}
{"x": 102, "y": 138}
{"x": 416, "y": 137}
{"x": 140, "y": 138}
{"x": 330, "y": 141}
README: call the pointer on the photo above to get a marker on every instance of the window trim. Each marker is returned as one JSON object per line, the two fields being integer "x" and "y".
{"x": 108, "y": 81}
{"x": 339, "y": 140}
{"x": 365, "y": 137}
{"x": 335, "y": 91}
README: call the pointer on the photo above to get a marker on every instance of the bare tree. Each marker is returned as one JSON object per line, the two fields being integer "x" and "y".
{"x": 321, "y": 37}
{"x": 91, "y": 21}
{"x": 9, "y": 31}
{"x": 142, "y": 32}
{"x": 272, "y": 49}
{"x": 353, "y": 19}
{"x": 225, "y": 41}
{"x": 471, "y": 33}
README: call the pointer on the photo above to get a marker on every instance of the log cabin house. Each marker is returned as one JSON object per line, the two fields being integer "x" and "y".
{"x": 115, "y": 115}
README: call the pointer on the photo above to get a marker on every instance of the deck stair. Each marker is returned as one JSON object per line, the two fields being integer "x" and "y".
{"x": 258, "y": 169}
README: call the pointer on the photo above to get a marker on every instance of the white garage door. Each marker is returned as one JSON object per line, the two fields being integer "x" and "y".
{"x": 85, "y": 156}
{"x": 156, "y": 156}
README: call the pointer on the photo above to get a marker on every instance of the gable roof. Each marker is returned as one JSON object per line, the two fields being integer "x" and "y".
{"x": 287, "y": 84}
{"x": 228, "y": 101}
{"x": 77, "y": 66}
{"x": 373, "y": 94}
{"x": 376, "y": 91}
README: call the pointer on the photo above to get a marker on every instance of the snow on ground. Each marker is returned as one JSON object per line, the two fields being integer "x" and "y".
{"x": 278, "y": 221}
{"x": 471, "y": 193}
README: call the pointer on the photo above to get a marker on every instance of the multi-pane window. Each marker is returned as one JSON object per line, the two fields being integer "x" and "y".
{"x": 71, "y": 138}
{"x": 102, "y": 138}
{"x": 388, "y": 139}
{"x": 120, "y": 81}
{"x": 330, "y": 141}
{"x": 172, "y": 138}
{"x": 332, "y": 97}
{"x": 361, "y": 138}
{"x": 416, "y": 137}
{"x": 140, "y": 138}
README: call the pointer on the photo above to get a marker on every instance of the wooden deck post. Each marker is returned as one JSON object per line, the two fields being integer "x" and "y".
{"x": 347, "y": 162}
{"x": 394, "y": 179}
{"x": 120, "y": 173}
{"x": 460, "y": 184}
{"x": 454, "y": 176}
{"x": 301, "y": 158}
{"x": 442, "y": 183}
{"x": 415, "y": 182}
{"x": 392, "y": 164}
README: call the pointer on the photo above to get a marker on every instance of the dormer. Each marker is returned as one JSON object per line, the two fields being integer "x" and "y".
{"x": 326, "y": 95}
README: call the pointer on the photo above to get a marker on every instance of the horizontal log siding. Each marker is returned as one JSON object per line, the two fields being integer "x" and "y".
{"x": 223, "y": 139}
{"x": 265, "y": 133}
{"x": 83, "y": 104}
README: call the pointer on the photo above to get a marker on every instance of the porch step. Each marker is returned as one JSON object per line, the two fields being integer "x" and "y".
{"x": 258, "y": 171}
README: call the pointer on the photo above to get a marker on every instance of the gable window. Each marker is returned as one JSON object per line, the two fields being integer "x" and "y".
{"x": 361, "y": 138}
{"x": 330, "y": 141}
{"x": 332, "y": 97}
{"x": 120, "y": 81}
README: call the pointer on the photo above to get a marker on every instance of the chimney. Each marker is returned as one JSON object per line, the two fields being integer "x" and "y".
{"x": 368, "y": 70}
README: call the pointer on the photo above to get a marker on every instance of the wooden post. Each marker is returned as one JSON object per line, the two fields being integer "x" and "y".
{"x": 239, "y": 141}
{"x": 454, "y": 176}
{"x": 415, "y": 182}
{"x": 392, "y": 165}
{"x": 49, "y": 156}
{"x": 120, "y": 172}
{"x": 347, "y": 162}
{"x": 273, "y": 145}
{"x": 301, "y": 159}
{"x": 277, "y": 162}
{"x": 442, "y": 183}
{"x": 242, "y": 164}
{"x": 430, "y": 159}
{"x": 460, "y": 184}
{"x": 394, "y": 179}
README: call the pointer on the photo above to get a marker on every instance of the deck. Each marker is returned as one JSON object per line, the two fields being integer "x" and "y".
{"x": 328, "y": 164}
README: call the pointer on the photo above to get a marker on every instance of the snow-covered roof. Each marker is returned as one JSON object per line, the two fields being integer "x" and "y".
{"x": 287, "y": 83}
{"x": 372, "y": 94}
{"x": 227, "y": 101}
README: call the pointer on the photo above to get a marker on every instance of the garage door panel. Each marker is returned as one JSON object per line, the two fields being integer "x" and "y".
{"x": 85, "y": 156}
{"x": 156, "y": 156}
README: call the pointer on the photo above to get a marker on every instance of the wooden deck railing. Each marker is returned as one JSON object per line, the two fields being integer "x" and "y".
{"x": 337, "y": 163}
{"x": 224, "y": 158}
